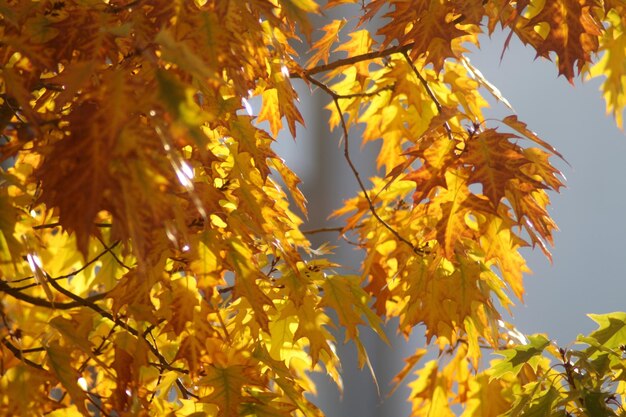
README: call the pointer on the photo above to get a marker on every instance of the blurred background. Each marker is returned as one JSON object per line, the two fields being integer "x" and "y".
{"x": 587, "y": 273}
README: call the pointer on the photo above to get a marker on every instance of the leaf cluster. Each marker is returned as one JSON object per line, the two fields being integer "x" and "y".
{"x": 152, "y": 256}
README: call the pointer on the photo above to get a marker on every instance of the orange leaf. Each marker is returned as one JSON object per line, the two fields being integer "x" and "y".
{"x": 323, "y": 45}
{"x": 572, "y": 33}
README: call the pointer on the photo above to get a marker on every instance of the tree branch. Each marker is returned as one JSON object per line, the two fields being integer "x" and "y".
{"x": 88, "y": 303}
{"x": 428, "y": 90}
{"x": 346, "y": 153}
{"x": 370, "y": 94}
{"x": 322, "y": 230}
{"x": 109, "y": 249}
{"x": 19, "y": 355}
{"x": 354, "y": 59}
{"x": 82, "y": 268}
{"x": 100, "y": 255}
{"x": 41, "y": 302}
{"x": 57, "y": 224}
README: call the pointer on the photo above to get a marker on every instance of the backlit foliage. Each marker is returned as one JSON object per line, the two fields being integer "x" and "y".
{"x": 152, "y": 260}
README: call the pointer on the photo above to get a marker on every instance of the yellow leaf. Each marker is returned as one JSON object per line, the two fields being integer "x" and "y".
{"x": 323, "y": 45}
{"x": 270, "y": 110}
{"x": 360, "y": 43}
{"x": 71, "y": 411}
{"x": 60, "y": 362}
{"x": 227, "y": 385}
{"x": 344, "y": 294}
{"x": 488, "y": 398}
{"x": 612, "y": 66}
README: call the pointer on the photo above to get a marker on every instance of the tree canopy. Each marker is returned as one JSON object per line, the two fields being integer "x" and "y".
{"x": 153, "y": 259}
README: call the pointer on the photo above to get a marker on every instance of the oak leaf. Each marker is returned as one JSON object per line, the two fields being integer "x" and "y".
{"x": 572, "y": 33}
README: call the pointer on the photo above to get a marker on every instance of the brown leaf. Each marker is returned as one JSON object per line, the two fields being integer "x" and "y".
{"x": 572, "y": 33}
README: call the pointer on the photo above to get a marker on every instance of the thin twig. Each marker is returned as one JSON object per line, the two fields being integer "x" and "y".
{"x": 87, "y": 303}
{"x": 370, "y": 94}
{"x": 22, "y": 279}
{"x": 354, "y": 59}
{"x": 33, "y": 350}
{"x": 109, "y": 249}
{"x": 355, "y": 172}
{"x": 97, "y": 351}
{"x": 225, "y": 289}
{"x": 428, "y": 90}
{"x": 41, "y": 302}
{"x": 95, "y": 404}
{"x": 338, "y": 229}
{"x": 322, "y": 230}
{"x": 155, "y": 389}
{"x": 82, "y": 268}
{"x": 57, "y": 224}
{"x": 184, "y": 391}
{"x": 18, "y": 354}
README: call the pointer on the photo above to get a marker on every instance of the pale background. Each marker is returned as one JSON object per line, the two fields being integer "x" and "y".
{"x": 587, "y": 275}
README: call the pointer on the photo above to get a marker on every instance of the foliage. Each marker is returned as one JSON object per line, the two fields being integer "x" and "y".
{"x": 152, "y": 255}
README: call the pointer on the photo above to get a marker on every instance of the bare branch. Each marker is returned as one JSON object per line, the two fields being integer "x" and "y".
{"x": 107, "y": 249}
{"x": 184, "y": 391}
{"x": 370, "y": 94}
{"x": 225, "y": 289}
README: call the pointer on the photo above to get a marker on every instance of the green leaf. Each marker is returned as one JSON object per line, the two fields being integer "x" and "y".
{"x": 543, "y": 404}
{"x": 595, "y": 404}
{"x": 517, "y": 357}
{"x": 611, "y": 332}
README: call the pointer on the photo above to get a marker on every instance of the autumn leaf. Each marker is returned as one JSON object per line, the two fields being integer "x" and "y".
{"x": 323, "y": 46}
{"x": 337, "y": 290}
{"x": 486, "y": 399}
{"x": 570, "y": 30}
{"x": 60, "y": 359}
{"x": 513, "y": 122}
{"x": 246, "y": 284}
{"x": 611, "y": 65}
{"x": 153, "y": 261}
{"x": 429, "y": 392}
{"x": 182, "y": 299}
{"x": 227, "y": 385}
{"x": 426, "y": 26}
